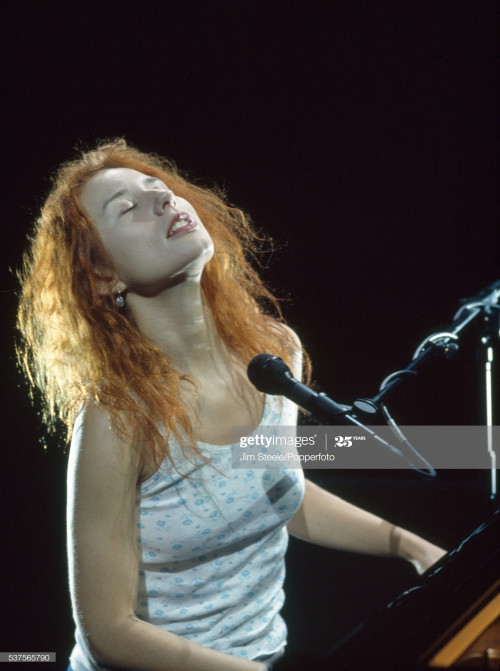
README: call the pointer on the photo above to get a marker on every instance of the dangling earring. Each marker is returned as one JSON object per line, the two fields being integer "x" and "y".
{"x": 120, "y": 300}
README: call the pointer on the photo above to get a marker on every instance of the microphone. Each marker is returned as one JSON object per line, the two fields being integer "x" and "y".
{"x": 271, "y": 375}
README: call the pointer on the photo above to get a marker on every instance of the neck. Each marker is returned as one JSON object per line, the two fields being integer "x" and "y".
{"x": 179, "y": 323}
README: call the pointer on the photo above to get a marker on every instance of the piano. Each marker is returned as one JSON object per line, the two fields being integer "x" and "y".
{"x": 449, "y": 619}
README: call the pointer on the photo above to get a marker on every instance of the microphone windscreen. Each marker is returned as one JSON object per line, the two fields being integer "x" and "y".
{"x": 268, "y": 373}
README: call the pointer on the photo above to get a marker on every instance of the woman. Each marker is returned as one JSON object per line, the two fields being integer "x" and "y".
{"x": 139, "y": 314}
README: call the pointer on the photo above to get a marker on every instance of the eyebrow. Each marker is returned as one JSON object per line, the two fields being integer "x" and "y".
{"x": 111, "y": 198}
{"x": 122, "y": 192}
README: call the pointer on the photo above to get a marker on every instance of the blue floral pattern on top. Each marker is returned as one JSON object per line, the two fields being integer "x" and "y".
{"x": 211, "y": 542}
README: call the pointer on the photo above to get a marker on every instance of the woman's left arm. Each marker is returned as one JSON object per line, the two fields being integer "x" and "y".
{"x": 327, "y": 520}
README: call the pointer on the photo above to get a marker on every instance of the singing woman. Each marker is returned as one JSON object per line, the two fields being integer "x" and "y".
{"x": 139, "y": 312}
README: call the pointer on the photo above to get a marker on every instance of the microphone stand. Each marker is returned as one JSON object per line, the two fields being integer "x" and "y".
{"x": 484, "y": 305}
{"x": 491, "y": 329}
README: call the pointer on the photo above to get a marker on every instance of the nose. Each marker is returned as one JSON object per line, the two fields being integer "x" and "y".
{"x": 162, "y": 199}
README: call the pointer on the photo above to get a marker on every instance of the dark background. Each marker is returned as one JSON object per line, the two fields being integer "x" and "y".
{"x": 363, "y": 138}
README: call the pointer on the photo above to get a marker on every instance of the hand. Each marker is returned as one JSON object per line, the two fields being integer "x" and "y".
{"x": 431, "y": 556}
{"x": 419, "y": 552}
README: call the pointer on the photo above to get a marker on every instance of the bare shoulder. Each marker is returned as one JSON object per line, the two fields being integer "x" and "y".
{"x": 294, "y": 338}
{"x": 294, "y": 351}
{"x": 94, "y": 431}
{"x": 98, "y": 451}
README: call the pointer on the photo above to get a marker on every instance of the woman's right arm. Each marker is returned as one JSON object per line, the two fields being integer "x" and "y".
{"x": 103, "y": 563}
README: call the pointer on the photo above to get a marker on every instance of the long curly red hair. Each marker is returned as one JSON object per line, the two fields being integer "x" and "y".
{"x": 75, "y": 344}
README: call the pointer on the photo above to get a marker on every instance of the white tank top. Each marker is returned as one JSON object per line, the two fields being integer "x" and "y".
{"x": 211, "y": 542}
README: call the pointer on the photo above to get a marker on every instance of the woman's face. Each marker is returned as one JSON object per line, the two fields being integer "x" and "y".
{"x": 154, "y": 238}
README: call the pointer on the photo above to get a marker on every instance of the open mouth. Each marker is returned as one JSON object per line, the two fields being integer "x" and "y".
{"x": 181, "y": 222}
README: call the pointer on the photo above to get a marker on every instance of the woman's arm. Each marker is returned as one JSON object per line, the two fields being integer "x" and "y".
{"x": 327, "y": 520}
{"x": 103, "y": 563}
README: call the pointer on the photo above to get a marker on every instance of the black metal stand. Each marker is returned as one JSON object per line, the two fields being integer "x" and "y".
{"x": 484, "y": 305}
{"x": 491, "y": 330}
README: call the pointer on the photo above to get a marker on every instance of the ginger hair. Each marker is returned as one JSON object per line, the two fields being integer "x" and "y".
{"x": 74, "y": 343}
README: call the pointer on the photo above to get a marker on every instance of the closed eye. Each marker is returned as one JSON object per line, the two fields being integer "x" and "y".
{"x": 132, "y": 207}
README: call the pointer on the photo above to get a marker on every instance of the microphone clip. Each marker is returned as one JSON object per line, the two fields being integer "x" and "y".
{"x": 327, "y": 412}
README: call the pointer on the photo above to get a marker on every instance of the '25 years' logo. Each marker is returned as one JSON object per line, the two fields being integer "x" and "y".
{"x": 343, "y": 441}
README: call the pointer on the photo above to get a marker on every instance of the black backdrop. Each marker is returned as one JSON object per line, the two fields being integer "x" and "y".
{"x": 362, "y": 137}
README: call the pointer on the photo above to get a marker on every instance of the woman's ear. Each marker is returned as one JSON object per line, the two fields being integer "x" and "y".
{"x": 112, "y": 288}
{"x": 118, "y": 290}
